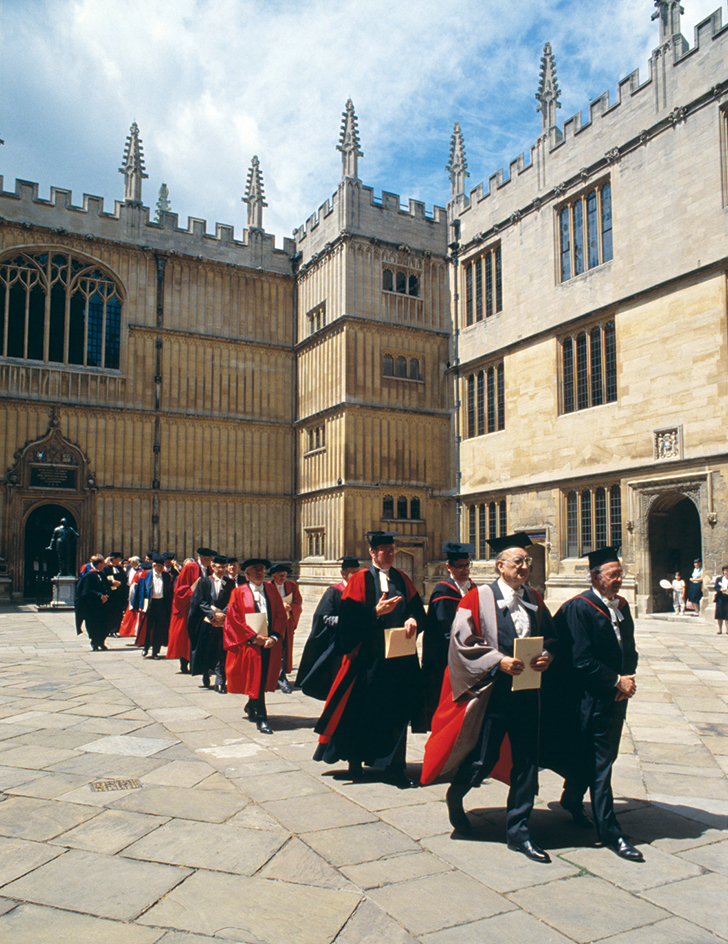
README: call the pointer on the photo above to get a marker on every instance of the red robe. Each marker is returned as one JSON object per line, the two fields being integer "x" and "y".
{"x": 290, "y": 587}
{"x": 178, "y": 646}
{"x": 243, "y": 663}
{"x": 131, "y": 617}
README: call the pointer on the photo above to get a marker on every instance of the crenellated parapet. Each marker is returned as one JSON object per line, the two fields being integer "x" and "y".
{"x": 131, "y": 223}
{"x": 354, "y": 210}
{"x": 560, "y": 158}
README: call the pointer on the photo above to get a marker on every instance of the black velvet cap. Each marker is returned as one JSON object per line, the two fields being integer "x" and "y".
{"x": 116, "y": 554}
{"x": 603, "y": 556}
{"x": 377, "y": 538}
{"x": 206, "y": 552}
{"x": 455, "y": 550}
{"x": 252, "y": 561}
{"x": 169, "y": 555}
{"x": 156, "y": 558}
{"x": 350, "y": 562}
{"x": 219, "y": 560}
{"x": 277, "y": 568}
{"x": 519, "y": 539}
{"x": 146, "y": 565}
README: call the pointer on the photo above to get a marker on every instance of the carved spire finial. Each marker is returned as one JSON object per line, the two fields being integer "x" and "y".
{"x": 349, "y": 143}
{"x": 254, "y": 196}
{"x": 163, "y": 204}
{"x": 548, "y": 90}
{"x": 133, "y": 167}
{"x": 669, "y": 13}
{"x": 458, "y": 166}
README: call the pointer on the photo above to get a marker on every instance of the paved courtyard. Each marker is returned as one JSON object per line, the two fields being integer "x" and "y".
{"x": 140, "y": 808}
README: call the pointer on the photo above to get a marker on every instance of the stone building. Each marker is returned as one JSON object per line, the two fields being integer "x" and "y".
{"x": 163, "y": 387}
{"x": 591, "y": 314}
{"x": 146, "y": 376}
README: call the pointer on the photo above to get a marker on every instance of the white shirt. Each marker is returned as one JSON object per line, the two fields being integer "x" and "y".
{"x": 259, "y": 596}
{"x": 281, "y": 588}
{"x": 157, "y": 586}
{"x": 513, "y": 603}
{"x": 614, "y": 613}
{"x": 217, "y": 586}
{"x": 383, "y": 579}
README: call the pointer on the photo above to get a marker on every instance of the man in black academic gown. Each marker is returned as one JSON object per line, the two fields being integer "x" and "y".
{"x": 604, "y": 659}
{"x": 444, "y": 601}
{"x": 374, "y": 698}
{"x": 205, "y": 622}
{"x": 153, "y": 595}
{"x": 319, "y": 663}
{"x": 91, "y": 600}
{"x": 119, "y": 595}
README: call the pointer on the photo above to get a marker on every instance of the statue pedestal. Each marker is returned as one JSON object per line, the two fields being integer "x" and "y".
{"x": 6, "y": 584}
{"x": 64, "y": 589}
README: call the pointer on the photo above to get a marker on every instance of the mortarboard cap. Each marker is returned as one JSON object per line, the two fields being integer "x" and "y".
{"x": 156, "y": 558}
{"x": 457, "y": 551}
{"x": 146, "y": 565}
{"x": 116, "y": 554}
{"x": 603, "y": 556}
{"x": 232, "y": 560}
{"x": 350, "y": 562}
{"x": 252, "y": 561}
{"x": 377, "y": 538}
{"x": 219, "y": 560}
{"x": 519, "y": 539}
{"x": 169, "y": 555}
{"x": 206, "y": 552}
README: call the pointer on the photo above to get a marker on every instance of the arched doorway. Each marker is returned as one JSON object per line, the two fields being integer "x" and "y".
{"x": 40, "y": 563}
{"x": 675, "y": 540}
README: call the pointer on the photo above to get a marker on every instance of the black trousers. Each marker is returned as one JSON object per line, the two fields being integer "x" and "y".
{"x": 603, "y": 733}
{"x": 517, "y": 715}
{"x": 157, "y": 626}
{"x": 259, "y": 702}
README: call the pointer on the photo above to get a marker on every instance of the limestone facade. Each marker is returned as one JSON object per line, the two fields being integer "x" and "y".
{"x": 610, "y": 338}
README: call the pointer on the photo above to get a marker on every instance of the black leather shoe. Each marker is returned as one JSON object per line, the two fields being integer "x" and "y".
{"x": 578, "y": 813}
{"x": 399, "y": 779}
{"x": 456, "y": 814}
{"x": 251, "y": 711}
{"x": 205, "y": 681}
{"x": 221, "y": 688}
{"x": 530, "y": 850}
{"x": 264, "y": 727}
{"x": 284, "y": 686}
{"x": 625, "y": 850}
{"x": 104, "y": 647}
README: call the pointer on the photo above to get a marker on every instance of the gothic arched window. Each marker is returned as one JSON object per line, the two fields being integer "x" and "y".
{"x": 387, "y": 280}
{"x": 401, "y": 283}
{"x": 401, "y": 366}
{"x": 388, "y": 507}
{"x": 415, "y": 369}
{"x": 415, "y": 509}
{"x": 414, "y": 285}
{"x": 401, "y": 507}
{"x": 388, "y": 366}
{"x": 60, "y": 310}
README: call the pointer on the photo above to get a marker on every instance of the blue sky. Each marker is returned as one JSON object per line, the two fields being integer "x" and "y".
{"x": 213, "y": 82}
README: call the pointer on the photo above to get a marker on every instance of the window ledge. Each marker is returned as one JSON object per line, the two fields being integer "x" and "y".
{"x": 314, "y": 452}
{"x": 406, "y": 379}
{"x": 585, "y": 275}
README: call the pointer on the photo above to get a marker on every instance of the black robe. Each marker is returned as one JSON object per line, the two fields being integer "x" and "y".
{"x": 206, "y": 648}
{"x": 373, "y": 699}
{"x": 444, "y": 602}
{"x": 319, "y": 662}
{"x": 90, "y": 609}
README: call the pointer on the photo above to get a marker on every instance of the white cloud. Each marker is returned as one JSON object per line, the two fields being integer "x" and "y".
{"x": 212, "y": 82}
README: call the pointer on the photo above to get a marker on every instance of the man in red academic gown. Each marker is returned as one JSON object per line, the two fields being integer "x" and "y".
{"x": 293, "y": 603}
{"x": 373, "y": 698}
{"x": 478, "y": 707}
{"x": 179, "y": 642}
{"x": 254, "y": 654}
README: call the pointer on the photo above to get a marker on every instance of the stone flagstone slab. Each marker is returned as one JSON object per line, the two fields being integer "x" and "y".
{"x": 107, "y": 886}
{"x": 39, "y": 820}
{"x": 211, "y": 807}
{"x": 438, "y": 901}
{"x": 254, "y": 909}
{"x": 700, "y": 900}
{"x": 513, "y": 927}
{"x": 396, "y": 868}
{"x": 128, "y": 744}
{"x": 297, "y": 863}
{"x": 321, "y": 811}
{"x": 212, "y": 846}
{"x": 497, "y": 866}
{"x": 17, "y": 857}
{"x": 109, "y": 831}
{"x": 33, "y": 924}
{"x": 370, "y": 925}
{"x": 349, "y": 845}
{"x": 661, "y": 867}
{"x": 669, "y": 931}
{"x": 713, "y": 856}
{"x": 587, "y": 909}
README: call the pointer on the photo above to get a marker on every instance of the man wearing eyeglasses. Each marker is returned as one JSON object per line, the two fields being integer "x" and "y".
{"x": 473, "y": 719}
{"x": 600, "y": 632}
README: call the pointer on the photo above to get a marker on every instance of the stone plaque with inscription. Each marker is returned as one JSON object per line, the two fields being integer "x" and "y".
{"x": 49, "y": 476}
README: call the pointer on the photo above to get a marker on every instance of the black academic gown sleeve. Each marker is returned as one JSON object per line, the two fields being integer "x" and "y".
{"x": 319, "y": 663}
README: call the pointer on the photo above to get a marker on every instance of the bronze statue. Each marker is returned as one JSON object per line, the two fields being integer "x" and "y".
{"x": 63, "y": 541}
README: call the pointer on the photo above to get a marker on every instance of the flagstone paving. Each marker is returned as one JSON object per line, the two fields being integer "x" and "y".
{"x": 138, "y": 807}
